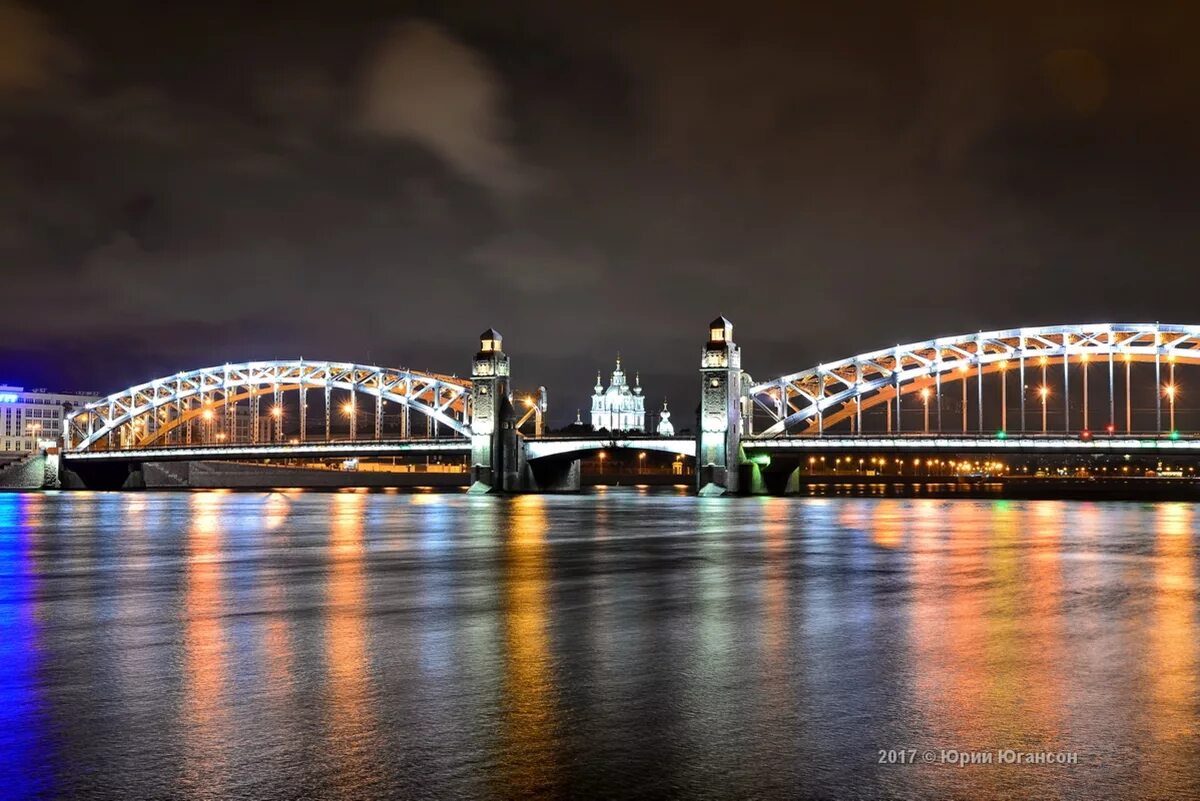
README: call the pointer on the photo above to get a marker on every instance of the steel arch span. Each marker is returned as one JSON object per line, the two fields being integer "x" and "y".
{"x": 834, "y": 392}
{"x": 146, "y": 414}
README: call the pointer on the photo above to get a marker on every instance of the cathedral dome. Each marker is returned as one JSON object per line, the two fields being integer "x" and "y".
{"x": 618, "y": 407}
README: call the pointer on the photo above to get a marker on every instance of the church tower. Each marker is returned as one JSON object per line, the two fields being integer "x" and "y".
{"x": 665, "y": 428}
{"x": 718, "y": 443}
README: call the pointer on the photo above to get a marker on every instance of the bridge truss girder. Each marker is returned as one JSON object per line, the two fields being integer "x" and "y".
{"x": 833, "y": 392}
{"x": 167, "y": 403}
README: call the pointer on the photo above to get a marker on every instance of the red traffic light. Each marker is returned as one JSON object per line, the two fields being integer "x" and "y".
{"x": 1085, "y": 435}
{"x": 1110, "y": 428}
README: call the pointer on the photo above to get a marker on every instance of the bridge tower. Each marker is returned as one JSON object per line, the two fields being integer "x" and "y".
{"x": 495, "y": 451}
{"x": 718, "y": 444}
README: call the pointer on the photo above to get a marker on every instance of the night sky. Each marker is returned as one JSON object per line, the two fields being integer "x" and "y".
{"x": 183, "y": 184}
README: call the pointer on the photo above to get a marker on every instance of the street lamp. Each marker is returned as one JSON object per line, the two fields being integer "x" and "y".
{"x": 277, "y": 413}
{"x": 603, "y": 456}
{"x": 1003, "y": 396}
{"x": 1084, "y": 360}
{"x": 641, "y": 461}
{"x": 1044, "y": 391}
{"x": 348, "y": 411}
{"x": 963, "y": 370}
{"x": 1128, "y": 406}
{"x": 925, "y": 400}
{"x": 1170, "y": 390}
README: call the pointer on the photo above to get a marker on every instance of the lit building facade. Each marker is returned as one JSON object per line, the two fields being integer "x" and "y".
{"x": 28, "y": 417}
{"x": 620, "y": 407}
{"x": 665, "y": 427}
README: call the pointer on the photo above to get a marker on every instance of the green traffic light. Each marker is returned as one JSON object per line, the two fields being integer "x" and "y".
{"x": 1174, "y": 435}
{"x": 1001, "y": 434}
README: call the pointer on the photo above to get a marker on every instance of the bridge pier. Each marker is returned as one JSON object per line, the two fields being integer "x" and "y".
{"x": 118, "y": 475}
{"x": 552, "y": 475}
{"x": 496, "y": 449}
{"x": 718, "y": 445}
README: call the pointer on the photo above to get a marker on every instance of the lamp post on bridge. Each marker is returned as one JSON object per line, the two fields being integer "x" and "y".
{"x": 1170, "y": 391}
{"x": 964, "y": 370}
{"x": 1044, "y": 392}
{"x": 1003, "y": 397}
{"x": 925, "y": 400}
{"x": 351, "y": 413}
{"x": 1084, "y": 360}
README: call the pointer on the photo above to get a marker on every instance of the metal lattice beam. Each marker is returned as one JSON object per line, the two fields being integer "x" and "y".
{"x": 833, "y": 391}
{"x": 165, "y": 404}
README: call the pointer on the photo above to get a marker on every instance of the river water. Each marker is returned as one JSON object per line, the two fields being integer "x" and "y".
{"x": 622, "y": 643}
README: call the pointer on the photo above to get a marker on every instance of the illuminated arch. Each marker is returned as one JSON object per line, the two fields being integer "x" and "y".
{"x": 835, "y": 391}
{"x": 172, "y": 400}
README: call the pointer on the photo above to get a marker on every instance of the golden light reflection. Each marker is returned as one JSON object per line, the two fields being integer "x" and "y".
{"x": 277, "y": 638}
{"x": 776, "y": 626}
{"x": 988, "y": 629}
{"x": 205, "y": 711}
{"x": 949, "y": 638}
{"x": 1173, "y": 635}
{"x": 351, "y": 720}
{"x": 528, "y": 736}
{"x": 887, "y": 528}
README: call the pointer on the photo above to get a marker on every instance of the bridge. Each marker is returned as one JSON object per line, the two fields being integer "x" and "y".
{"x": 1090, "y": 390}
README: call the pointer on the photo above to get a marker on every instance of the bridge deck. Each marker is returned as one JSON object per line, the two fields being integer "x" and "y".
{"x": 562, "y": 446}
{"x": 313, "y": 449}
{"x": 980, "y": 443}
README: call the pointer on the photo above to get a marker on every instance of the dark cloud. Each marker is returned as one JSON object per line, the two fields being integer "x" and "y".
{"x": 425, "y": 85}
{"x": 182, "y": 185}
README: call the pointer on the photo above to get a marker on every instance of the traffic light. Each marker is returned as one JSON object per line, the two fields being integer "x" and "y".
{"x": 1110, "y": 428}
{"x": 1085, "y": 435}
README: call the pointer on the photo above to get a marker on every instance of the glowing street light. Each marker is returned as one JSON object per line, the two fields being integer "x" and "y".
{"x": 1084, "y": 360}
{"x": 1003, "y": 396}
{"x": 207, "y": 416}
{"x": 1170, "y": 390}
{"x": 1044, "y": 392}
{"x": 963, "y": 369}
{"x": 1128, "y": 405}
{"x": 925, "y": 400}
{"x": 603, "y": 456}
{"x": 348, "y": 411}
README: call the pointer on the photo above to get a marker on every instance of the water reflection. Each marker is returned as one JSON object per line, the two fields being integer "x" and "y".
{"x": 627, "y": 643}
{"x": 528, "y": 763}
{"x": 350, "y": 718}
{"x": 205, "y": 651}
{"x": 24, "y": 744}
{"x": 1172, "y": 666}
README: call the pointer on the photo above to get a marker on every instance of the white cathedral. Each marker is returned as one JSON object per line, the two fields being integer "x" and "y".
{"x": 622, "y": 407}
